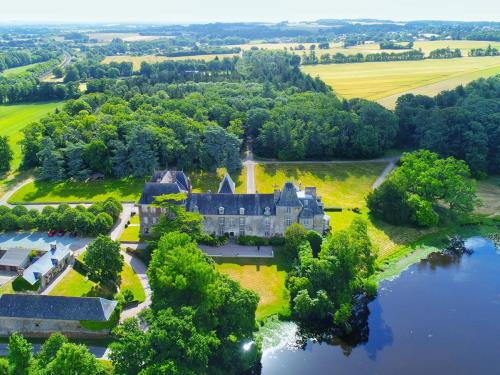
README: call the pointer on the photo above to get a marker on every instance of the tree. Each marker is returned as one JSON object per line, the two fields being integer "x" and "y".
{"x": 295, "y": 234}
{"x": 176, "y": 218}
{"x": 72, "y": 74}
{"x": 6, "y": 155}
{"x": 103, "y": 223}
{"x": 74, "y": 359}
{"x": 58, "y": 72}
{"x": 20, "y": 355}
{"x": 104, "y": 260}
{"x": 315, "y": 240}
{"x": 49, "y": 350}
{"x": 142, "y": 158}
{"x": 130, "y": 353}
{"x": 51, "y": 161}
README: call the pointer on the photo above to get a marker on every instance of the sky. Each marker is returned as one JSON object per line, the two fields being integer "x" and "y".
{"x": 198, "y": 11}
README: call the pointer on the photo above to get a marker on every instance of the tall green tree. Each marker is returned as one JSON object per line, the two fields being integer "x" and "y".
{"x": 51, "y": 160}
{"x": 20, "y": 355}
{"x": 6, "y": 155}
{"x": 104, "y": 260}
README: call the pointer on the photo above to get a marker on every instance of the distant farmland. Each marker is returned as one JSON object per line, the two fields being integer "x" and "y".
{"x": 386, "y": 81}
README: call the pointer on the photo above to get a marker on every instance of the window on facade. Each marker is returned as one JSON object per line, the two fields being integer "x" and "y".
{"x": 242, "y": 226}
{"x": 145, "y": 219}
{"x": 288, "y": 210}
{"x": 242, "y": 211}
{"x": 288, "y": 221}
{"x": 221, "y": 210}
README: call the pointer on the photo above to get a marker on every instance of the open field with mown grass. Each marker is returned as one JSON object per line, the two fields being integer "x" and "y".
{"x": 339, "y": 185}
{"x": 266, "y": 277}
{"x": 137, "y": 60}
{"x": 125, "y": 190}
{"x": 14, "y": 118}
{"x": 464, "y": 45}
{"x": 386, "y": 81}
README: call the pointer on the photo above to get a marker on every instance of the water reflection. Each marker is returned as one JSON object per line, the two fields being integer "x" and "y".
{"x": 441, "y": 316}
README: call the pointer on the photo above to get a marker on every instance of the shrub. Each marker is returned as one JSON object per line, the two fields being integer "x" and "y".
{"x": 207, "y": 239}
{"x": 315, "y": 240}
{"x": 103, "y": 223}
{"x": 277, "y": 241}
{"x": 19, "y": 210}
{"x": 252, "y": 241}
{"x": 295, "y": 234}
{"x": 26, "y": 222}
{"x": 9, "y": 222}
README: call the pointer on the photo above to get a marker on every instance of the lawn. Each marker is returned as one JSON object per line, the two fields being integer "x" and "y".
{"x": 488, "y": 191}
{"x": 266, "y": 277}
{"x": 74, "y": 284}
{"x": 17, "y": 70}
{"x": 13, "y": 118}
{"x": 340, "y": 185}
{"x": 125, "y": 190}
{"x": 202, "y": 181}
{"x": 385, "y": 81}
{"x": 131, "y": 234}
{"x": 130, "y": 281}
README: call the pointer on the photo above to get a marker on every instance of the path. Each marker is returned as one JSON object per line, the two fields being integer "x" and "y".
{"x": 233, "y": 250}
{"x": 9, "y": 193}
{"x": 384, "y": 174}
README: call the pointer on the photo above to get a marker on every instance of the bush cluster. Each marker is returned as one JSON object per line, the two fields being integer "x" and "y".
{"x": 260, "y": 241}
{"x": 210, "y": 240}
{"x": 96, "y": 219}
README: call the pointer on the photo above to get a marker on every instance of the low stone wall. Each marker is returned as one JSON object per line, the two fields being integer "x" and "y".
{"x": 44, "y": 328}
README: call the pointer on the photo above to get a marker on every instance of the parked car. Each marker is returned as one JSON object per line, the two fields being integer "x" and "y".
{"x": 51, "y": 233}
{"x": 60, "y": 233}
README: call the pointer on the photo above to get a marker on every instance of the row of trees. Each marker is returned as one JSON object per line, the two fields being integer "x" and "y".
{"x": 14, "y": 58}
{"x": 488, "y": 51}
{"x": 56, "y": 356}
{"x": 462, "y": 123}
{"x": 445, "y": 53}
{"x": 394, "y": 45}
{"x": 97, "y": 219}
{"x": 340, "y": 58}
{"x": 414, "y": 193}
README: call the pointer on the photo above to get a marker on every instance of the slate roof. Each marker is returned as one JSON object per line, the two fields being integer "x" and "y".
{"x": 34, "y": 306}
{"x": 155, "y": 189}
{"x": 209, "y": 203}
{"x": 44, "y": 264}
{"x": 227, "y": 185}
{"x": 16, "y": 257}
{"x": 311, "y": 203}
{"x": 288, "y": 196}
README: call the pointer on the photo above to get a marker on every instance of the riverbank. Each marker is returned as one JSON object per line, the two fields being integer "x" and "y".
{"x": 407, "y": 255}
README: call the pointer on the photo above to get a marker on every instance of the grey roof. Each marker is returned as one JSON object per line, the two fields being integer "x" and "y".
{"x": 182, "y": 180}
{"x": 311, "y": 203}
{"x": 227, "y": 185}
{"x": 209, "y": 203}
{"x": 34, "y": 306}
{"x": 155, "y": 189}
{"x": 16, "y": 257}
{"x": 288, "y": 196}
{"x": 44, "y": 264}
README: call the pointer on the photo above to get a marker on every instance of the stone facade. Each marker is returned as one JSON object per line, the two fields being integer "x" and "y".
{"x": 226, "y": 212}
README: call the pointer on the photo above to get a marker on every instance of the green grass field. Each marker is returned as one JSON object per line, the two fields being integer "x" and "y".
{"x": 488, "y": 191}
{"x": 14, "y": 118}
{"x": 266, "y": 277}
{"x": 17, "y": 70}
{"x": 131, "y": 234}
{"x": 340, "y": 185}
{"x": 385, "y": 81}
{"x": 125, "y": 190}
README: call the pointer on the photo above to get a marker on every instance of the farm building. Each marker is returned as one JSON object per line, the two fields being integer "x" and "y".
{"x": 14, "y": 260}
{"x": 48, "y": 266}
{"x": 39, "y": 315}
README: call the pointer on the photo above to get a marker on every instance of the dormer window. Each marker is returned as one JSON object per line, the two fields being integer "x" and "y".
{"x": 242, "y": 211}
{"x": 267, "y": 211}
{"x": 221, "y": 210}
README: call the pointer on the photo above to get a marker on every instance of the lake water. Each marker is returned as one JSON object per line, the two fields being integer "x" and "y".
{"x": 441, "y": 316}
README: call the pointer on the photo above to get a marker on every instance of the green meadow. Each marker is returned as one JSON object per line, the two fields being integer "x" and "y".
{"x": 14, "y": 118}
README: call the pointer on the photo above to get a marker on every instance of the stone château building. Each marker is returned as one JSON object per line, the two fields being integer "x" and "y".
{"x": 227, "y": 212}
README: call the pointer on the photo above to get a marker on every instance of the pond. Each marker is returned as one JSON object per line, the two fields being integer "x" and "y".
{"x": 440, "y": 316}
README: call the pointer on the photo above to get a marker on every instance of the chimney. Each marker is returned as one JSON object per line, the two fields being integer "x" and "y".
{"x": 310, "y": 191}
{"x": 277, "y": 193}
